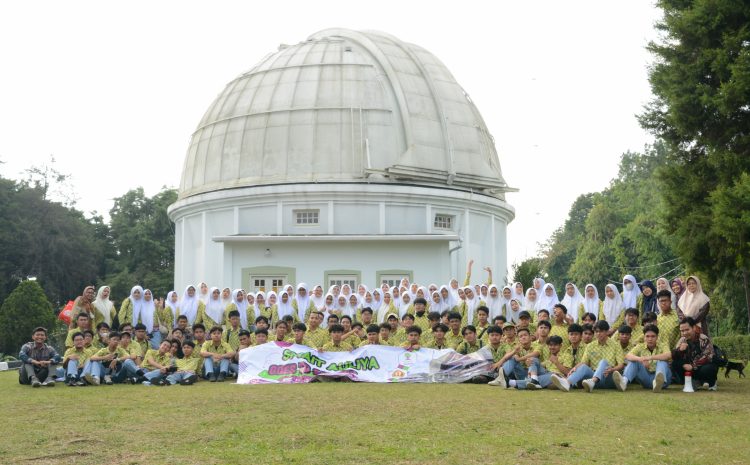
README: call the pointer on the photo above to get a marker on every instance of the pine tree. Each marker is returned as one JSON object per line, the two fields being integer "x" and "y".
{"x": 25, "y": 308}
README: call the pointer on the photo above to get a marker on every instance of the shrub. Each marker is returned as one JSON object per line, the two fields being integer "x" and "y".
{"x": 736, "y": 347}
{"x": 25, "y": 308}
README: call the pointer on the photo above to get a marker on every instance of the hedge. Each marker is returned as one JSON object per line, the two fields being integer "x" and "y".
{"x": 736, "y": 347}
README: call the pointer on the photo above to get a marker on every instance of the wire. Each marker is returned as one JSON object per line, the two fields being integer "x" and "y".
{"x": 644, "y": 266}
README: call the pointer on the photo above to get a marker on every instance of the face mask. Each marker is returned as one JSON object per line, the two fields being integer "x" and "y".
{"x": 103, "y": 335}
{"x": 629, "y": 286}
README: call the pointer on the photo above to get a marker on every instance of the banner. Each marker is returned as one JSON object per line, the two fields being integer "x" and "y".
{"x": 281, "y": 362}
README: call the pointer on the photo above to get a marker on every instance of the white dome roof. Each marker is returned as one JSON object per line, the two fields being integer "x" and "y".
{"x": 343, "y": 106}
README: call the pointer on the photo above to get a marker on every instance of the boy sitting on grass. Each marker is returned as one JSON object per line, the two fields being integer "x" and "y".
{"x": 39, "y": 360}
{"x": 216, "y": 356}
{"x": 337, "y": 344}
{"x": 157, "y": 364}
{"x": 187, "y": 366}
{"x": 75, "y": 359}
{"x": 412, "y": 338}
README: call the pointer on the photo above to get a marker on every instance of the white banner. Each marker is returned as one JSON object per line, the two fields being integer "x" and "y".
{"x": 279, "y": 362}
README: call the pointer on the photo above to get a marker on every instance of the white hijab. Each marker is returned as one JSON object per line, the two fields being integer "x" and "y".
{"x": 284, "y": 309}
{"x": 454, "y": 292}
{"x": 630, "y": 298}
{"x": 345, "y": 309}
{"x": 451, "y": 301}
{"x": 691, "y": 302}
{"x": 404, "y": 305}
{"x": 612, "y": 307}
{"x": 438, "y": 306}
{"x": 572, "y": 302}
{"x": 189, "y": 305}
{"x": 377, "y": 299}
{"x": 517, "y": 295}
{"x": 302, "y": 302}
{"x": 202, "y": 297}
{"x": 172, "y": 307}
{"x": 138, "y": 305}
{"x": 224, "y": 301}
{"x": 591, "y": 305}
{"x": 148, "y": 310}
{"x": 256, "y": 309}
{"x": 105, "y": 306}
{"x": 215, "y": 307}
{"x": 528, "y": 304}
{"x": 668, "y": 288}
{"x": 547, "y": 302}
{"x": 319, "y": 302}
{"x": 495, "y": 304}
{"x": 384, "y": 308}
{"x": 471, "y": 305}
{"x": 241, "y": 307}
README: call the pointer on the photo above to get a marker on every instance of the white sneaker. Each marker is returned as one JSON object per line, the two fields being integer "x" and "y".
{"x": 705, "y": 386}
{"x": 714, "y": 387}
{"x": 499, "y": 381}
{"x": 621, "y": 382}
{"x": 532, "y": 385}
{"x": 95, "y": 380}
{"x": 561, "y": 383}
{"x": 107, "y": 380}
{"x": 588, "y": 384}
{"x": 658, "y": 383}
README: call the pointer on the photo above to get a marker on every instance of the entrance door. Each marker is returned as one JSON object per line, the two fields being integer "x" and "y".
{"x": 267, "y": 283}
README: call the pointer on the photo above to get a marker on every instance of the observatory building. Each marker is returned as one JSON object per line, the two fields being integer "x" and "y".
{"x": 351, "y": 157}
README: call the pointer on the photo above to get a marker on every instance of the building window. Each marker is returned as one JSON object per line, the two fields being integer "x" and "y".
{"x": 340, "y": 280}
{"x": 443, "y": 221}
{"x": 307, "y": 217}
{"x": 267, "y": 283}
{"x": 390, "y": 280}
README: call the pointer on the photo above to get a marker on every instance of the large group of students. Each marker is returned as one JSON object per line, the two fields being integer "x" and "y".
{"x": 650, "y": 334}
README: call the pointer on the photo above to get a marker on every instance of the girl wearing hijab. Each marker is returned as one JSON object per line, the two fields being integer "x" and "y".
{"x": 204, "y": 295}
{"x": 284, "y": 307}
{"x": 450, "y": 303}
{"x": 648, "y": 298}
{"x": 239, "y": 303}
{"x": 171, "y": 310}
{"x": 226, "y": 296}
{"x": 436, "y": 303}
{"x": 694, "y": 303}
{"x": 496, "y": 303}
{"x": 548, "y": 300}
{"x": 342, "y": 307}
{"x": 191, "y": 306}
{"x": 129, "y": 306}
{"x": 147, "y": 314}
{"x": 678, "y": 288}
{"x": 539, "y": 286}
{"x": 612, "y": 309}
{"x": 518, "y": 292}
{"x": 302, "y": 304}
{"x": 631, "y": 293}
{"x": 367, "y": 302}
{"x": 591, "y": 302}
{"x": 572, "y": 300}
{"x": 386, "y": 308}
{"x": 469, "y": 307}
{"x": 214, "y": 310}
{"x": 260, "y": 307}
{"x": 454, "y": 287}
{"x": 361, "y": 291}
{"x": 406, "y": 305}
{"x": 272, "y": 300}
{"x": 346, "y": 291}
{"x": 377, "y": 301}
{"x": 662, "y": 284}
{"x": 530, "y": 302}
{"x": 85, "y": 304}
{"x": 318, "y": 299}
{"x": 105, "y": 306}
{"x": 328, "y": 309}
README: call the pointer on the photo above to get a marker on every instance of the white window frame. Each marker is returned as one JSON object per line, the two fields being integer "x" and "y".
{"x": 391, "y": 279}
{"x": 440, "y": 220}
{"x": 341, "y": 279}
{"x": 307, "y": 217}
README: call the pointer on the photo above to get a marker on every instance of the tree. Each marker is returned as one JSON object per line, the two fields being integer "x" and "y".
{"x": 701, "y": 110}
{"x": 527, "y": 270}
{"x": 25, "y": 308}
{"x": 142, "y": 237}
{"x": 560, "y": 251}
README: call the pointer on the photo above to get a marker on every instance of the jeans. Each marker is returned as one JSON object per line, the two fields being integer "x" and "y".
{"x": 542, "y": 375}
{"x": 585, "y": 372}
{"x": 635, "y": 371}
{"x": 155, "y": 339}
{"x": 72, "y": 370}
{"x": 175, "y": 378}
{"x": 127, "y": 369}
{"x": 154, "y": 376}
{"x": 212, "y": 368}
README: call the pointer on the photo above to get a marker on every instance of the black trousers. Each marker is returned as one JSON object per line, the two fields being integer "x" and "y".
{"x": 705, "y": 373}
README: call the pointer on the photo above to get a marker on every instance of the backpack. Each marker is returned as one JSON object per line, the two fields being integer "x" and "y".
{"x": 720, "y": 358}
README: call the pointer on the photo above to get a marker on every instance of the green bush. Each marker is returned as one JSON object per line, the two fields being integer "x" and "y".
{"x": 736, "y": 347}
{"x": 25, "y": 308}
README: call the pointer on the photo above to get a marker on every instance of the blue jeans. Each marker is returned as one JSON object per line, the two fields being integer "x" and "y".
{"x": 155, "y": 339}
{"x": 127, "y": 369}
{"x": 518, "y": 370}
{"x": 543, "y": 376}
{"x": 176, "y": 377}
{"x": 210, "y": 367}
{"x": 72, "y": 370}
{"x": 154, "y": 376}
{"x": 635, "y": 371}
{"x": 585, "y": 372}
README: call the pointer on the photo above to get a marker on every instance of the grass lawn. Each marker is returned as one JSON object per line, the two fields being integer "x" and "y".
{"x": 341, "y": 423}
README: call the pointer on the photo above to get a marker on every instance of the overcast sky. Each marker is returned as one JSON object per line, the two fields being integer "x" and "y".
{"x": 114, "y": 93}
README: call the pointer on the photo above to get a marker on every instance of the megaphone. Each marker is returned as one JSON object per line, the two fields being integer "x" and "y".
{"x": 688, "y": 382}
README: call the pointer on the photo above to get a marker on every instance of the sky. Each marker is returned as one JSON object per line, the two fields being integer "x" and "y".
{"x": 113, "y": 90}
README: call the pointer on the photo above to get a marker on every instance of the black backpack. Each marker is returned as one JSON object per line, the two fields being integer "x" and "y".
{"x": 720, "y": 358}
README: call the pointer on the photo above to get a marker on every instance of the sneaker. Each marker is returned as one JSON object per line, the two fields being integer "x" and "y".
{"x": 658, "y": 383}
{"x": 70, "y": 382}
{"x": 49, "y": 382}
{"x": 35, "y": 382}
{"x": 714, "y": 387}
{"x": 561, "y": 383}
{"x": 163, "y": 382}
{"x": 621, "y": 382}
{"x": 221, "y": 377}
{"x": 95, "y": 381}
{"x": 588, "y": 384}
{"x": 533, "y": 385}
{"x": 188, "y": 381}
{"x": 146, "y": 383}
{"x": 212, "y": 378}
{"x": 705, "y": 386}
{"x": 107, "y": 380}
{"x": 499, "y": 381}
{"x": 89, "y": 378}
{"x": 80, "y": 383}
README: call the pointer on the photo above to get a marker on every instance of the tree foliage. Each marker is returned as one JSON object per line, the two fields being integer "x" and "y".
{"x": 25, "y": 308}
{"x": 527, "y": 270}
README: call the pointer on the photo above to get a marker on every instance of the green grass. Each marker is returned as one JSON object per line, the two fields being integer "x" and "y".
{"x": 342, "y": 423}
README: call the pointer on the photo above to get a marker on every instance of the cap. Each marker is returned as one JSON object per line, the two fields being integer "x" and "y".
{"x": 524, "y": 314}
{"x": 509, "y": 325}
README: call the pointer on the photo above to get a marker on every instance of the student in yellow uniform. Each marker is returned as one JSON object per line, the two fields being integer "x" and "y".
{"x": 605, "y": 355}
{"x": 316, "y": 335}
{"x": 438, "y": 341}
{"x": 412, "y": 338}
{"x": 282, "y": 333}
{"x": 454, "y": 336}
{"x": 421, "y": 317}
{"x": 623, "y": 337}
{"x": 560, "y": 323}
{"x": 157, "y": 364}
{"x": 302, "y": 304}
{"x": 667, "y": 319}
{"x": 83, "y": 322}
{"x": 470, "y": 343}
{"x": 636, "y": 330}
{"x": 261, "y": 336}
{"x": 350, "y": 335}
{"x": 540, "y": 373}
{"x": 299, "y": 331}
{"x": 187, "y": 366}
{"x": 113, "y": 363}
{"x": 543, "y": 327}
{"x": 216, "y": 356}
{"x": 245, "y": 342}
{"x": 336, "y": 344}
{"x": 385, "y": 334}
{"x": 576, "y": 347}
{"x": 373, "y": 336}
{"x": 483, "y": 324}
{"x": 517, "y": 361}
{"x": 524, "y": 321}
{"x": 75, "y": 359}
{"x": 587, "y": 336}
{"x": 133, "y": 350}
{"x": 399, "y": 337}
{"x": 232, "y": 334}
{"x": 497, "y": 348}
{"x": 648, "y": 362}
{"x": 366, "y": 317}
{"x": 141, "y": 338}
